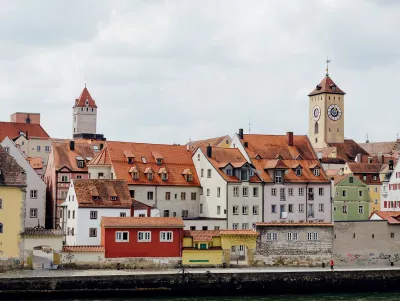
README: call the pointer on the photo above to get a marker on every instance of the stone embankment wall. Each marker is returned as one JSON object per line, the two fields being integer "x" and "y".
{"x": 198, "y": 284}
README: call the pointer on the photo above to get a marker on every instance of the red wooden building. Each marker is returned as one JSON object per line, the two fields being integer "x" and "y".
{"x": 142, "y": 236}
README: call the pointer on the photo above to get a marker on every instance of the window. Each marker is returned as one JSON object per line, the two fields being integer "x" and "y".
{"x": 245, "y": 191}
{"x": 344, "y": 208}
{"x": 33, "y": 213}
{"x": 202, "y": 173}
{"x": 201, "y": 208}
{"x": 292, "y": 236}
{"x": 218, "y": 210}
{"x": 301, "y": 208}
{"x": 63, "y": 194}
{"x": 79, "y": 177}
{"x": 376, "y": 189}
{"x": 244, "y": 174}
{"x": 278, "y": 176}
{"x": 198, "y": 157}
{"x": 33, "y": 194}
{"x": 290, "y": 191}
{"x": 273, "y": 191}
{"x": 255, "y": 210}
{"x": 132, "y": 193}
{"x": 47, "y": 148}
{"x": 235, "y": 191}
{"x": 229, "y": 172}
{"x": 255, "y": 191}
{"x": 298, "y": 171}
{"x": 150, "y": 176}
{"x": 168, "y": 196}
{"x": 290, "y": 208}
{"x": 301, "y": 191}
{"x": 351, "y": 180}
{"x": 7, "y": 149}
{"x": 164, "y": 176}
{"x": 100, "y": 175}
{"x": 374, "y": 178}
{"x": 73, "y": 214}
{"x": 144, "y": 236}
{"x": 321, "y": 207}
{"x": 216, "y": 227}
{"x": 135, "y": 175}
{"x": 149, "y": 195}
{"x": 316, "y": 172}
{"x": 38, "y": 148}
{"x": 235, "y": 226}
{"x": 208, "y": 191}
{"x": 364, "y": 177}
{"x": 361, "y": 209}
{"x": 316, "y": 128}
{"x": 360, "y": 193}
{"x": 312, "y": 236}
{"x": 1, "y": 204}
{"x": 69, "y": 213}
{"x": 245, "y": 210}
{"x": 122, "y": 214}
{"x": 92, "y": 232}
{"x": 245, "y": 226}
{"x": 166, "y": 236}
{"x": 235, "y": 210}
{"x": 80, "y": 164}
{"x": 392, "y": 235}
{"x": 193, "y": 196}
{"x": 272, "y": 236}
{"x": 93, "y": 214}
{"x": 1, "y": 228}
{"x": 208, "y": 173}
{"x": 273, "y": 208}
{"x": 166, "y": 213}
{"x": 183, "y": 196}
{"x": 376, "y": 202}
{"x": 184, "y": 213}
{"x": 113, "y": 198}
{"x": 218, "y": 192}
{"x": 64, "y": 178}
{"x": 282, "y": 194}
{"x": 192, "y": 228}
{"x": 344, "y": 193}
{"x": 122, "y": 236}
{"x": 321, "y": 191}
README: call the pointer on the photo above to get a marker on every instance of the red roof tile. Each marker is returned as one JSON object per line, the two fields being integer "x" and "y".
{"x": 201, "y": 235}
{"x": 294, "y": 224}
{"x": 81, "y": 101}
{"x": 348, "y": 150}
{"x": 216, "y": 142}
{"x": 326, "y": 86}
{"x": 393, "y": 217}
{"x": 142, "y": 222}
{"x": 365, "y": 167}
{"x": 35, "y": 163}
{"x": 87, "y": 189}
{"x": 239, "y": 232}
{"x": 83, "y": 249}
{"x": 101, "y": 158}
{"x": 12, "y": 130}
{"x": 11, "y": 173}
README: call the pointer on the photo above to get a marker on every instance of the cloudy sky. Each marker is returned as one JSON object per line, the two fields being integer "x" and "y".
{"x": 170, "y": 71}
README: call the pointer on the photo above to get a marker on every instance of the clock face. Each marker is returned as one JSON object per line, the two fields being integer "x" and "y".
{"x": 316, "y": 113}
{"x": 334, "y": 112}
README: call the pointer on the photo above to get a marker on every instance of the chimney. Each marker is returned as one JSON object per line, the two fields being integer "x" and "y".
{"x": 391, "y": 164}
{"x": 187, "y": 147}
{"x": 209, "y": 151}
{"x": 148, "y": 211}
{"x": 246, "y": 144}
{"x": 241, "y": 133}
{"x": 358, "y": 158}
{"x": 289, "y": 138}
{"x": 382, "y": 159}
{"x": 72, "y": 145}
{"x": 132, "y": 210}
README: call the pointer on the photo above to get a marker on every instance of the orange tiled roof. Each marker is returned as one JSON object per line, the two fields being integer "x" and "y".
{"x": 142, "y": 222}
{"x": 83, "y": 249}
{"x": 365, "y": 167}
{"x": 393, "y": 217}
{"x": 221, "y": 157}
{"x": 36, "y": 163}
{"x": 101, "y": 158}
{"x": 175, "y": 159}
{"x": 11, "y": 173}
{"x": 348, "y": 150}
{"x": 201, "y": 235}
{"x": 65, "y": 157}
{"x": 294, "y": 224}
{"x": 339, "y": 178}
{"x": 376, "y": 148}
{"x": 326, "y": 86}
{"x": 12, "y": 130}
{"x": 216, "y": 142}
{"x": 81, "y": 101}
{"x": 104, "y": 189}
{"x": 238, "y": 232}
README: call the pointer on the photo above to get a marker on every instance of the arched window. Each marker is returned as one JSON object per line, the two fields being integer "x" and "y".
{"x": 316, "y": 128}
{"x": 1, "y": 228}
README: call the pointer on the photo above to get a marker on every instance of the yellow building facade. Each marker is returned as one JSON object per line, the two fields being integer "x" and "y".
{"x": 375, "y": 194}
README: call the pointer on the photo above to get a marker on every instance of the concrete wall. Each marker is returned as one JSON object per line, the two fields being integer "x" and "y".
{"x": 84, "y": 120}
{"x": 34, "y": 147}
{"x": 366, "y": 243}
{"x": 301, "y": 252}
{"x": 211, "y": 224}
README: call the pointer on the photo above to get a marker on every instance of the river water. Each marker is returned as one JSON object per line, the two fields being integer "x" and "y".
{"x": 315, "y": 297}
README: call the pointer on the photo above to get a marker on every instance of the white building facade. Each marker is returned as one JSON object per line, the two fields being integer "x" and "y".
{"x": 390, "y": 192}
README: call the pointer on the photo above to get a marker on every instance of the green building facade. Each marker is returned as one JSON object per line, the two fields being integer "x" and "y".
{"x": 351, "y": 198}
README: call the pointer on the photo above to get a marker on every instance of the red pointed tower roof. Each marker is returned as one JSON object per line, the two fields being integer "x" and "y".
{"x": 326, "y": 86}
{"x": 81, "y": 101}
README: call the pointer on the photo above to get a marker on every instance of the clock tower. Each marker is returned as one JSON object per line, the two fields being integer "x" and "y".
{"x": 326, "y": 113}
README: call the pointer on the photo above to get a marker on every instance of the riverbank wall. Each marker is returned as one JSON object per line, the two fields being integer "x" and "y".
{"x": 198, "y": 284}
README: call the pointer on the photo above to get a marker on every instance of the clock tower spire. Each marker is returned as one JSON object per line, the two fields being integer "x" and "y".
{"x": 326, "y": 113}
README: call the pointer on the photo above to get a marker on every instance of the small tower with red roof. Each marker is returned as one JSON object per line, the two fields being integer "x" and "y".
{"x": 84, "y": 114}
{"x": 326, "y": 113}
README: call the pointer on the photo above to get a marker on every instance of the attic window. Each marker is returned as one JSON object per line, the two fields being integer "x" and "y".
{"x": 159, "y": 161}
{"x": 114, "y": 198}
{"x": 7, "y": 149}
{"x": 81, "y": 162}
{"x": 150, "y": 176}
{"x": 318, "y": 87}
{"x": 87, "y": 102}
{"x": 333, "y": 88}
{"x": 228, "y": 172}
{"x": 144, "y": 160}
{"x": 258, "y": 157}
{"x": 298, "y": 171}
{"x": 22, "y": 133}
{"x": 299, "y": 157}
{"x": 130, "y": 160}
{"x": 189, "y": 177}
{"x": 279, "y": 157}
{"x": 164, "y": 176}
{"x": 95, "y": 197}
{"x": 316, "y": 172}
{"x": 244, "y": 174}
{"x": 135, "y": 175}
{"x": 187, "y": 173}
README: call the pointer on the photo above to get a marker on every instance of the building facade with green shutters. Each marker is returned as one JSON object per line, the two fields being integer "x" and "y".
{"x": 351, "y": 199}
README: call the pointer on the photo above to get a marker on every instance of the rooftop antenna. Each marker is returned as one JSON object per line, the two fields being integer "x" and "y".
{"x": 367, "y": 141}
{"x": 327, "y": 66}
{"x": 85, "y": 81}
{"x": 249, "y": 126}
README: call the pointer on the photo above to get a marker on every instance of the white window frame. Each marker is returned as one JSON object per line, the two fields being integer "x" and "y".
{"x": 362, "y": 209}
{"x": 209, "y": 173}
{"x": 321, "y": 207}
{"x": 301, "y": 191}
{"x": 301, "y": 208}
{"x": 166, "y": 236}
{"x": 235, "y": 191}
{"x": 273, "y": 191}
{"x": 235, "y": 226}
{"x": 33, "y": 213}
{"x": 278, "y": 176}
{"x": 316, "y": 172}
{"x": 290, "y": 191}
{"x": 320, "y": 191}
{"x": 90, "y": 232}
{"x": 93, "y": 214}
{"x": 255, "y": 210}
{"x": 272, "y": 236}
{"x": 218, "y": 192}
{"x": 119, "y": 236}
{"x": 144, "y": 236}
{"x": 245, "y": 210}
{"x": 235, "y": 210}
{"x": 33, "y": 194}
{"x": 255, "y": 191}
{"x": 245, "y": 191}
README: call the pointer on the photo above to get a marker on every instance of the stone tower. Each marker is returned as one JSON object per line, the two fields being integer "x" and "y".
{"x": 326, "y": 114}
{"x": 84, "y": 114}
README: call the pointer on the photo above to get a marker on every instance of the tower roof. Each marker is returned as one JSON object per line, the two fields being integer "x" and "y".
{"x": 327, "y": 86}
{"x": 81, "y": 101}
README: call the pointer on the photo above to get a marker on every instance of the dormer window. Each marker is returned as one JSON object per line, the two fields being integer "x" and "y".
{"x": 244, "y": 174}
{"x": 278, "y": 176}
{"x": 164, "y": 176}
{"x": 299, "y": 158}
{"x": 144, "y": 160}
{"x": 130, "y": 160}
{"x": 189, "y": 178}
{"x": 229, "y": 172}
{"x": 159, "y": 161}
{"x": 114, "y": 198}
{"x": 316, "y": 172}
{"x": 87, "y": 102}
{"x": 298, "y": 171}
{"x": 135, "y": 175}
{"x": 95, "y": 198}
{"x": 279, "y": 157}
{"x": 187, "y": 173}
{"x": 258, "y": 157}
{"x": 374, "y": 177}
{"x": 80, "y": 162}
{"x": 150, "y": 176}
{"x": 129, "y": 156}
{"x": 158, "y": 157}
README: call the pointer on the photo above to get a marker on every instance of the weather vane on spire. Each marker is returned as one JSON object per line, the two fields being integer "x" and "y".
{"x": 327, "y": 66}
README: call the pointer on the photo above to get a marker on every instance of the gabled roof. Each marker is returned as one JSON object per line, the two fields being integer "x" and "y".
{"x": 393, "y": 217}
{"x": 326, "y": 86}
{"x": 339, "y": 178}
{"x": 374, "y": 168}
{"x": 81, "y": 100}
{"x": 85, "y": 190}
{"x": 175, "y": 160}
{"x": 83, "y": 249}
{"x": 201, "y": 235}
{"x": 13, "y": 130}
{"x": 36, "y": 163}
{"x": 376, "y": 148}
{"x": 101, "y": 158}
{"x": 348, "y": 150}
{"x": 142, "y": 222}
{"x": 216, "y": 142}
{"x": 11, "y": 173}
